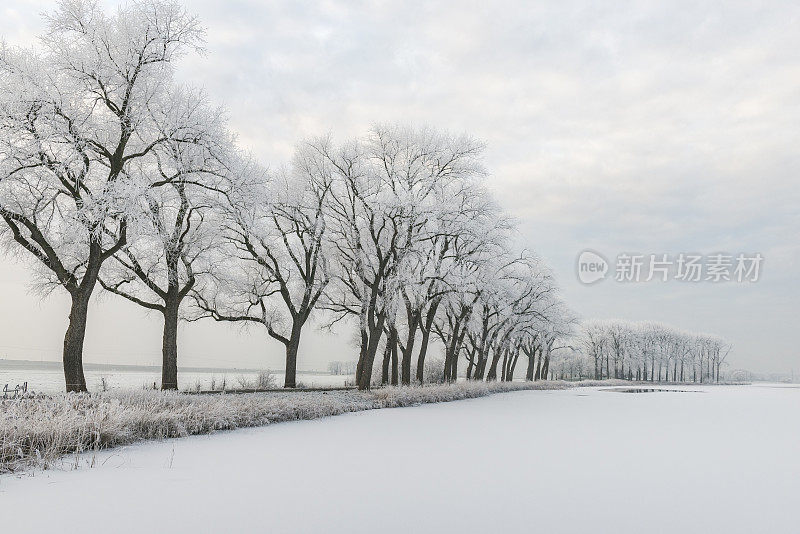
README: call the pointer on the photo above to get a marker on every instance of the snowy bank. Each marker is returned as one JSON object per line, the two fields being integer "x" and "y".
{"x": 36, "y": 431}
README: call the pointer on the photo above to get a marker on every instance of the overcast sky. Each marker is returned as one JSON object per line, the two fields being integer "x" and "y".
{"x": 649, "y": 127}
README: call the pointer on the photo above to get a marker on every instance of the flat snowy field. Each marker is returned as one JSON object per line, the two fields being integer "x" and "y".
{"x": 718, "y": 459}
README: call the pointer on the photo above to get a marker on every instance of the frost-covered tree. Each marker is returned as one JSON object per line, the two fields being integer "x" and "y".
{"x": 525, "y": 292}
{"x": 175, "y": 229}
{"x": 468, "y": 236}
{"x": 618, "y": 339}
{"x": 546, "y": 334}
{"x": 366, "y": 228}
{"x": 81, "y": 118}
{"x": 275, "y": 269}
{"x": 650, "y": 351}
{"x": 593, "y": 341}
{"x": 388, "y": 192}
{"x": 709, "y": 353}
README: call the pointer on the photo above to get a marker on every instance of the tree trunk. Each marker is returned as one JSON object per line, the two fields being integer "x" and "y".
{"x": 405, "y": 364}
{"x": 385, "y": 366}
{"x": 169, "y": 348}
{"x": 454, "y": 365}
{"x": 459, "y": 331}
{"x": 492, "y": 374}
{"x": 450, "y": 351}
{"x": 546, "y": 366}
{"x": 290, "y": 378}
{"x": 531, "y": 365}
{"x": 472, "y": 363}
{"x": 367, "y": 358}
{"x": 514, "y": 360}
{"x": 362, "y": 353}
{"x": 483, "y": 354}
{"x": 423, "y": 347}
{"x": 73, "y": 343}
{"x": 393, "y": 347}
{"x": 408, "y": 349}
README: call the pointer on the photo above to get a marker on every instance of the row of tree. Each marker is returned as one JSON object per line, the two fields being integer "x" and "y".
{"x": 113, "y": 175}
{"x": 645, "y": 351}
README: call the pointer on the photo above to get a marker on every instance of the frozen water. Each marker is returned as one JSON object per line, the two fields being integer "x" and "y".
{"x": 579, "y": 460}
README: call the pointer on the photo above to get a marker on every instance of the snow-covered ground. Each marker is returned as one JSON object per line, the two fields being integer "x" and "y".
{"x": 718, "y": 459}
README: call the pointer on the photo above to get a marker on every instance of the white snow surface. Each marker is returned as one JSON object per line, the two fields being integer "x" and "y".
{"x": 717, "y": 459}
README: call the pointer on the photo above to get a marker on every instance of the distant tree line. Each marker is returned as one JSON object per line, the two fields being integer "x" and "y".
{"x": 644, "y": 351}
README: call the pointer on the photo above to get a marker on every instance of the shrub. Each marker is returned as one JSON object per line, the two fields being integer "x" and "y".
{"x": 433, "y": 371}
{"x": 266, "y": 380}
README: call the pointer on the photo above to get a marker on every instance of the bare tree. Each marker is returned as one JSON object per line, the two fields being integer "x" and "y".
{"x": 388, "y": 190}
{"x": 176, "y": 229}
{"x": 653, "y": 350}
{"x": 278, "y": 230}
{"x": 470, "y": 233}
{"x": 524, "y": 293}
